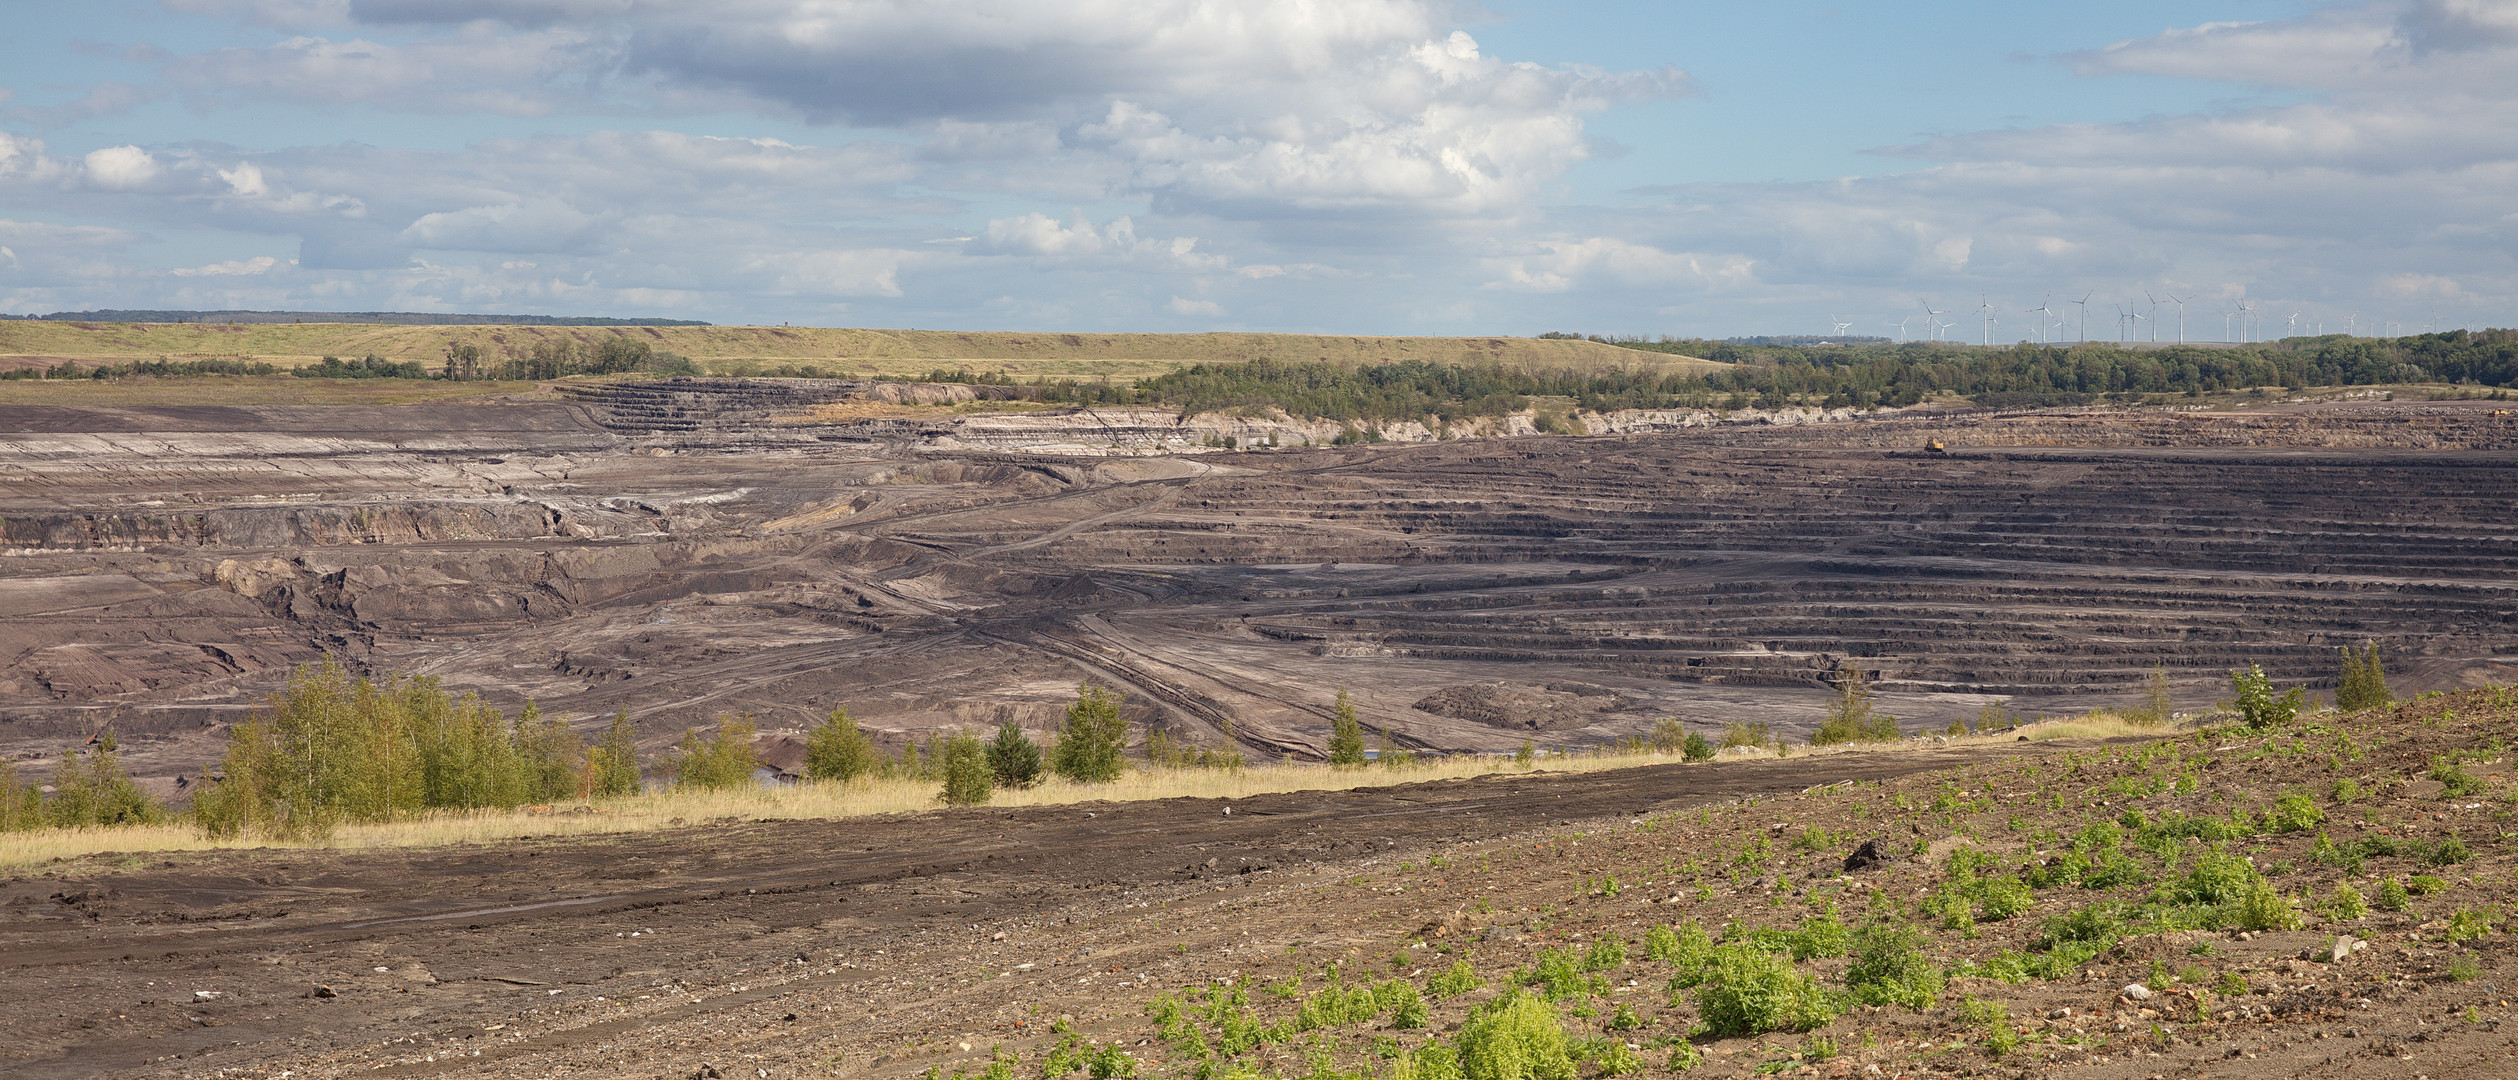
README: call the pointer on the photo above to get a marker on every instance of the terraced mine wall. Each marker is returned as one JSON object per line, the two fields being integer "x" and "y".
{"x": 686, "y": 551}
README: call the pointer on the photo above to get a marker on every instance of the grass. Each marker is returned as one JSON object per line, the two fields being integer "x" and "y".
{"x": 678, "y": 809}
{"x": 887, "y": 353}
{"x": 248, "y": 390}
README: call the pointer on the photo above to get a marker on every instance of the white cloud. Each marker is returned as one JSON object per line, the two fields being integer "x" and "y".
{"x": 109, "y": 98}
{"x": 1038, "y": 234}
{"x": 121, "y": 168}
{"x": 1562, "y": 265}
{"x": 1182, "y": 305}
{"x": 259, "y": 264}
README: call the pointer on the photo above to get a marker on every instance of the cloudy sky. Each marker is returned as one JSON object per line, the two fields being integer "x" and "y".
{"x": 1361, "y": 166}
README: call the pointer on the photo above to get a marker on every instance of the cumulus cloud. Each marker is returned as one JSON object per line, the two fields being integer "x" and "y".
{"x": 121, "y": 168}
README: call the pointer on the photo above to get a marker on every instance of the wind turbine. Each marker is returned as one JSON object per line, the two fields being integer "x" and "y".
{"x": 2290, "y": 325}
{"x": 2153, "y": 318}
{"x": 1988, "y": 312}
{"x": 2140, "y": 318}
{"x": 2428, "y": 326}
{"x": 2181, "y": 316}
{"x": 2351, "y": 324}
{"x": 2046, "y": 310}
{"x": 2084, "y": 301}
{"x": 1901, "y": 328}
{"x": 1840, "y": 325}
{"x": 1932, "y": 319}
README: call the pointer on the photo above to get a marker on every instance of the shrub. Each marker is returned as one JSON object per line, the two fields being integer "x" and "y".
{"x": 1346, "y": 734}
{"x": 1088, "y": 749}
{"x": 2259, "y": 705}
{"x": 21, "y": 805}
{"x": 726, "y": 761}
{"x": 2468, "y": 925}
{"x": 1013, "y": 757}
{"x": 1559, "y": 975}
{"x": 2262, "y": 907}
{"x": 836, "y": 749}
{"x": 1660, "y": 943}
{"x": 968, "y": 781}
{"x": 612, "y": 766}
{"x": 1757, "y": 733}
{"x": 2448, "y": 852}
{"x": 1821, "y": 935}
{"x": 1685, "y": 1056}
{"x": 2455, "y": 782}
{"x": 1994, "y": 1019}
{"x": 1696, "y": 748}
{"x": 2293, "y": 813}
{"x": 2218, "y": 877}
{"x": 1999, "y": 898}
{"x": 1852, "y": 718}
{"x": 1406, "y": 1007}
{"x": 1668, "y": 736}
{"x": 1890, "y": 968}
{"x": 1749, "y": 991}
{"x": 2364, "y": 684}
{"x": 2392, "y": 896}
{"x": 2347, "y": 791}
{"x": 2347, "y": 902}
{"x": 2464, "y": 969}
{"x": 2157, "y": 707}
{"x": 2425, "y": 885}
{"x": 1454, "y": 981}
{"x": 1690, "y": 951}
{"x": 1515, "y": 1037}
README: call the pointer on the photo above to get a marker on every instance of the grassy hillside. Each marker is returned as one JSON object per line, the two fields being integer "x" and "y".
{"x": 881, "y": 352}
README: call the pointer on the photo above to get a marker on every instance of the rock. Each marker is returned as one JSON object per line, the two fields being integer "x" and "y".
{"x": 2137, "y": 992}
{"x": 324, "y": 992}
{"x": 2058, "y": 1014}
{"x": 1872, "y": 853}
{"x": 2342, "y": 950}
{"x": 998, "y": 936}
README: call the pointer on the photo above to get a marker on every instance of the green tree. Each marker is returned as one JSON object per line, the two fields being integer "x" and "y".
{"x": 2157, "y": 707}
{"x": 1013, "y": 758}
{"x": 968, "y": 781}
{"x": 2364, "y": 683}
{"x": 612, "y": 766}
{"x": 90, "y": 789}
{"x": 21, "y": 805}
{"x": 1852, "y": 717}
{"x": 1668, "y": 736}
{"x": 1089, "y": 746}
{"x": 726, "y": 761}
{"x": 837, "y": 749}
{"x": 1697, "y": 748}
{"x": 2259, "y": 705}
{"x": 548, "y": 753}
{"x": 1346, "y": 734}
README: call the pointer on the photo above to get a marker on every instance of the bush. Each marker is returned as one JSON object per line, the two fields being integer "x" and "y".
{"x": 1013, "y": 757}
{"x": 2157, "y": 706}
{"x": 1668, "y": 736}
{"x": 2347, "y": 904}
{"x": 2293, "y": 813}
{"x": 2468, "y": 925}
{"x": 612, "y": 766}
{"x": 1696, "y": 748}
{"x": 968, "y": 781}
{"x": 2364, "y": 682}
{"x": 1346, "y": 735}
{"x": 1999, "y": 898}
{"x": 2261, "y": 907}
{"x": 21, "y": 805}
{"x": 2392, "y": 896}
{"x": 1749, "y": 991}
{"x": 836, "y": 749}
{"x": 1454, "y": 981}
{"x": 1515, "y": 1037}
{"x": 2259, "y": 705}
{"x": 2455, "y": 782}
{"x": 1890, "y": 968}
{"x": 1755, "y": 734}
{"x": 726, "y": 761}
{"x": 1851, "y": 717}
{"x": 1088, "y": 749}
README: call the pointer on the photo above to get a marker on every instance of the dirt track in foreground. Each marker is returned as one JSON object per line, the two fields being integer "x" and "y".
{"x": 103, "y": 966}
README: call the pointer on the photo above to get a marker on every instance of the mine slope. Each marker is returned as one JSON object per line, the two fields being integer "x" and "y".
{"x": 162, "y": 568}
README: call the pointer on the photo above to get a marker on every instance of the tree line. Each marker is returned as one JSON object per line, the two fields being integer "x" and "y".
{"x": 1774, "y": 376}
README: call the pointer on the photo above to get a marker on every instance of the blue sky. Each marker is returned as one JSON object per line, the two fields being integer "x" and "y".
{"x": 1366, "y": 166}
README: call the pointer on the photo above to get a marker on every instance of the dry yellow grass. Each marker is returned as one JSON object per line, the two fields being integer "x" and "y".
{"x": 251, "y": 390}
{"x": 666, "y": 810}
{"x": 885, "y": 353}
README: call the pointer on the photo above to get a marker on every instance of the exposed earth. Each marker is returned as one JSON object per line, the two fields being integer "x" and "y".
{"x": 887, "y": 947}
{"x": 690, "y": 549}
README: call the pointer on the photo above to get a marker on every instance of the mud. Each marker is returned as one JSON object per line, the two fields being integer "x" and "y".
{"x": 689, "y": 550}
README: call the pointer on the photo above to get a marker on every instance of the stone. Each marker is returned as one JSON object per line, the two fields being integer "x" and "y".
{"x": 1872, "y": 853}
{"x": 2137, "y": 992}
{"x": 2342, "y": 950}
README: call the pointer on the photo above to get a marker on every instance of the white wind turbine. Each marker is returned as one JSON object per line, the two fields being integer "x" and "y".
{"x": 1839, "y": 324}
{"x": 2351, "y": 324}
{"x": 1932, "y": 319}
{"x": 2290, "y": 325}
{"x": 2138, "y": 319}
{"x": 2084, "y": 302}
{"x": 2181, "y": 316}
{"x": 1990, "y": 314}
{"x": 1901, "y": 328}
{"x": 2046, "y": 312}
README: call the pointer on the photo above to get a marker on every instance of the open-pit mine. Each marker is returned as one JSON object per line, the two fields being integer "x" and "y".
{"x": 689, "y": 549}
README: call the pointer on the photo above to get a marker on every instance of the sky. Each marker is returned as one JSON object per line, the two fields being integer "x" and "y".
{"x": 1676, "y": 168}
